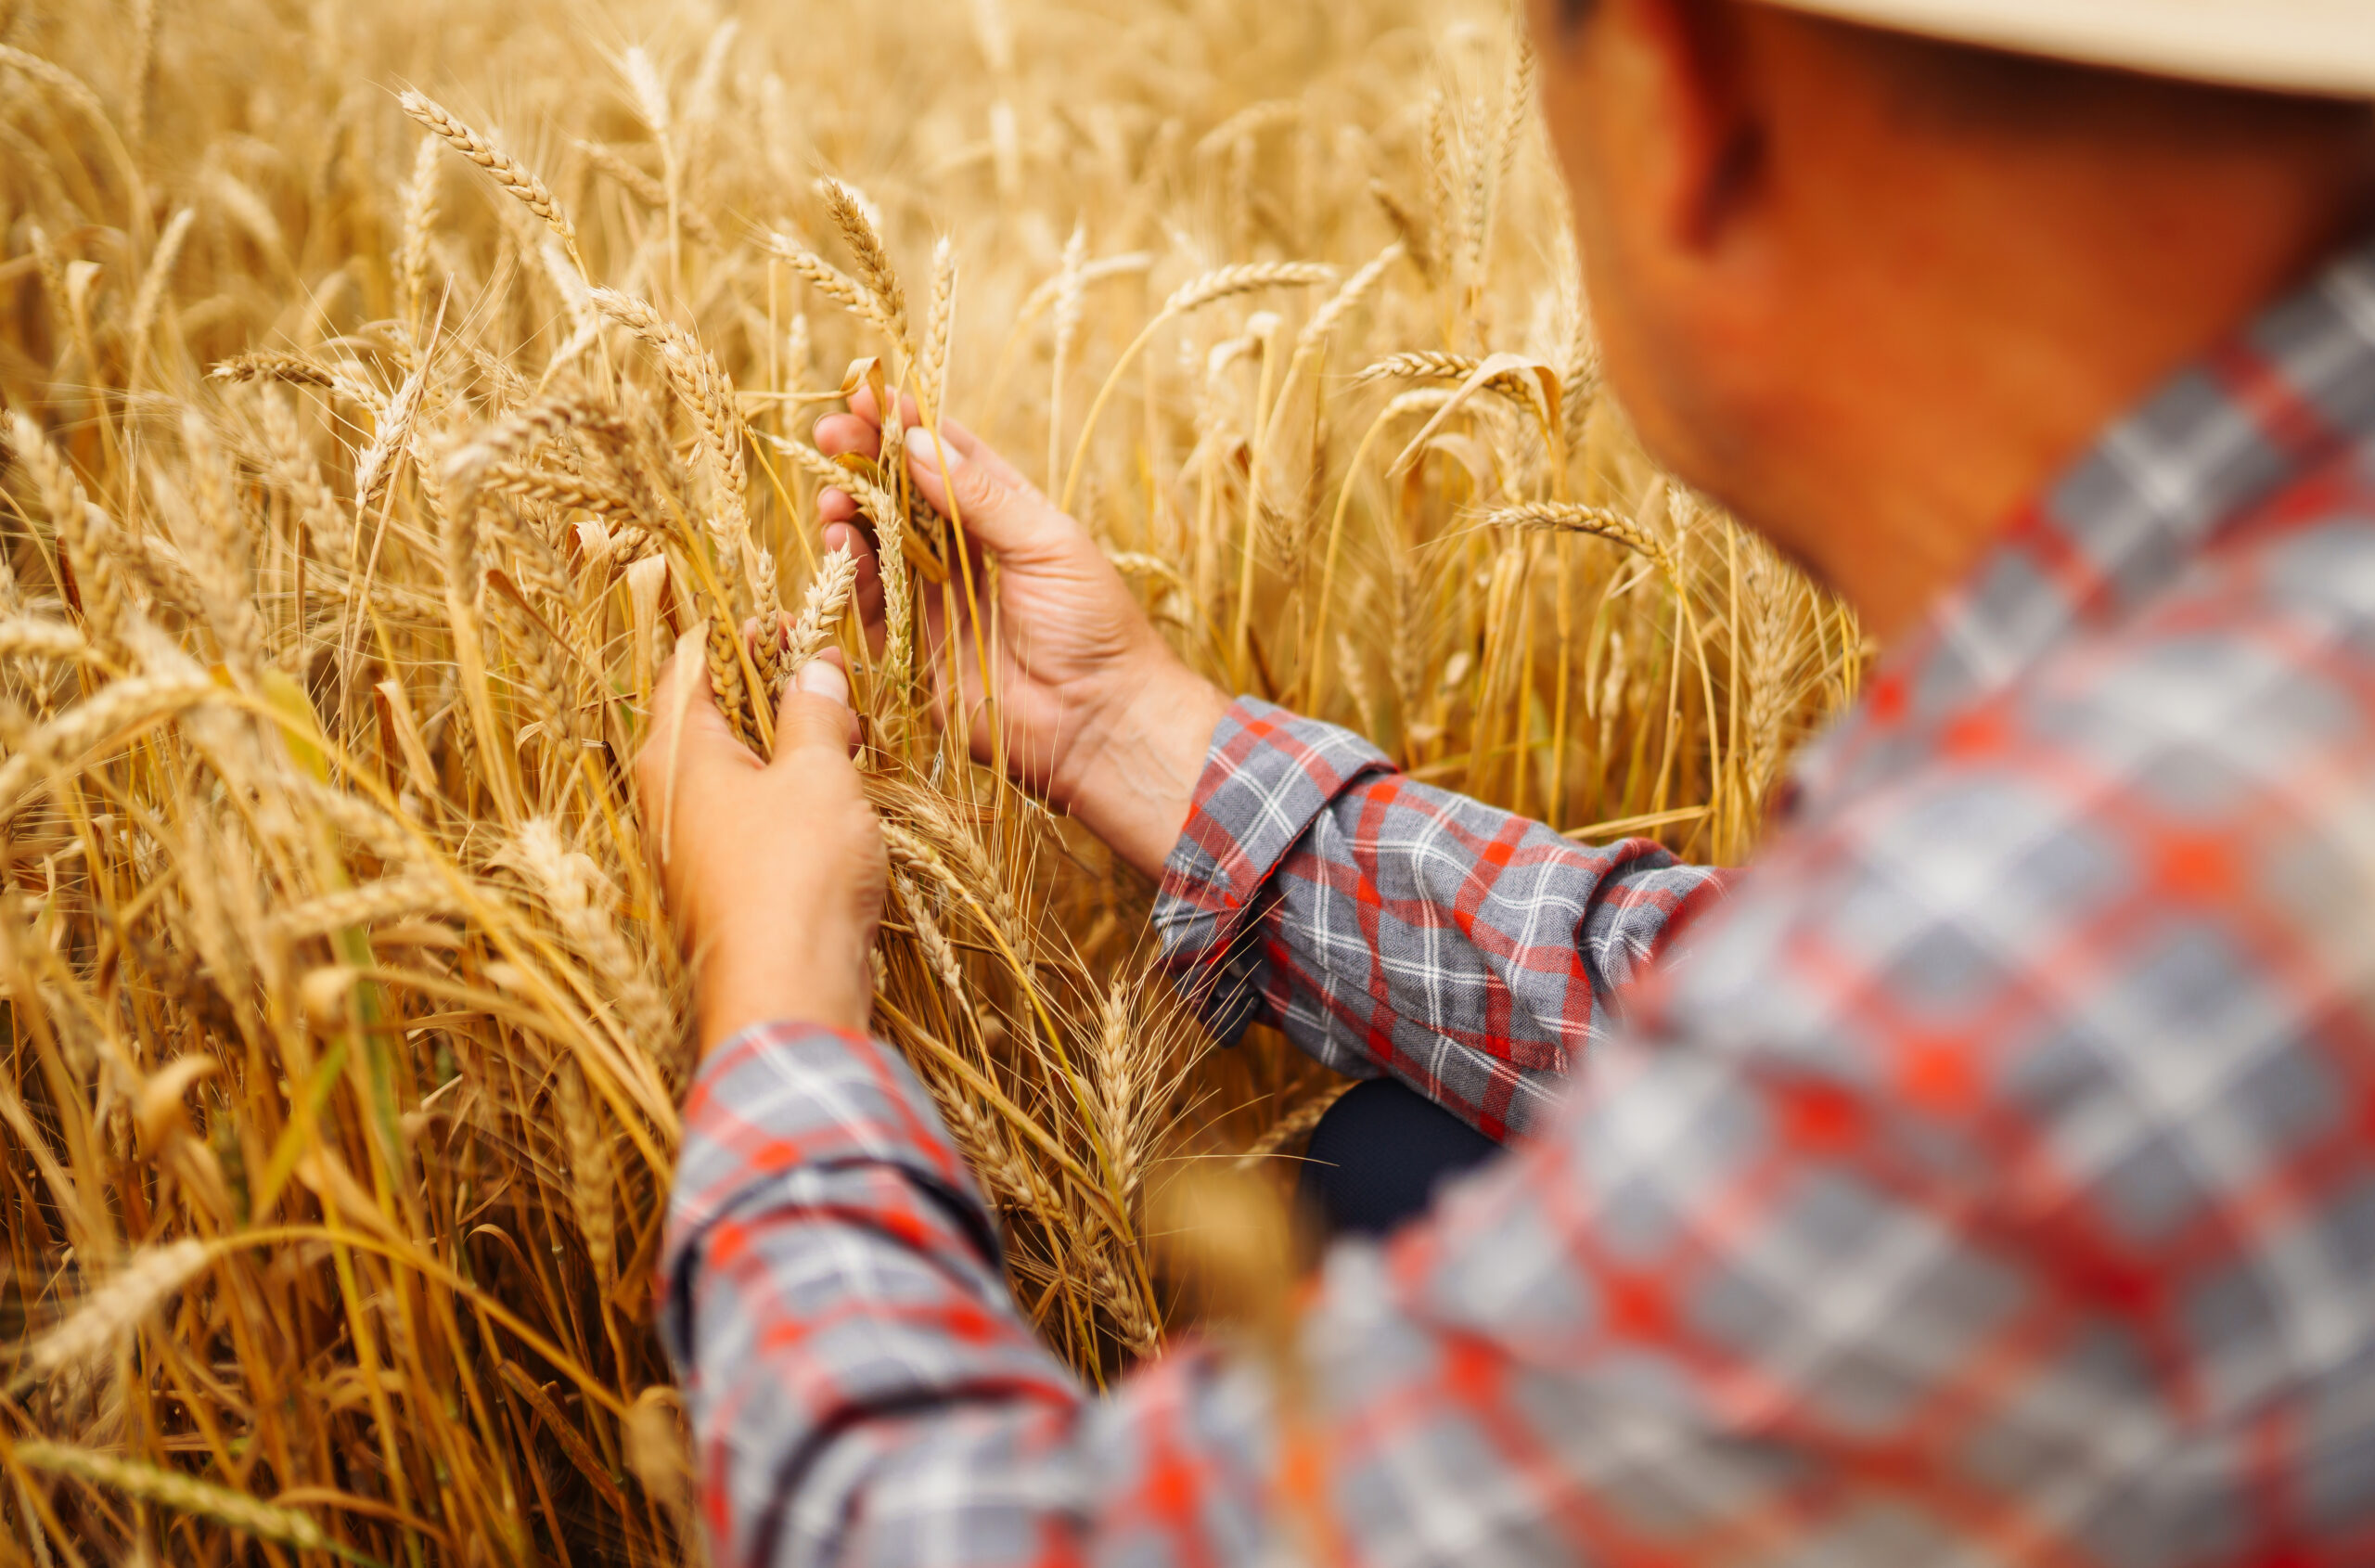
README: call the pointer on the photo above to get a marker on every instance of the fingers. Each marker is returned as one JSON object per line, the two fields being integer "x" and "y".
{"x": 814, "y": 714}
{"x": 999, "y": 506}
{"x": 683, "y": 739}
{"x": 684, "y": 710}
{"x": 825, "y": 676}
{"x": 861, "y": 428}
{"x": 1004, "y": 515}
{"x": 862, "y": 404}
{"x": 975, "y": 450}
{"x": 837, "y": 435}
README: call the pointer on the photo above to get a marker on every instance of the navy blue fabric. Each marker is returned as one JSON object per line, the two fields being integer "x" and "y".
{"x": 1378, "y": 1155}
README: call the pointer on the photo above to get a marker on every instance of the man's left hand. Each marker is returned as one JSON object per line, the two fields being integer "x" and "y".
{"x": 773, "y": 871}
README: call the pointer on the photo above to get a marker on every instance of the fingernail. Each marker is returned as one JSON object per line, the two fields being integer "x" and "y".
{"x": 822, "y": 678}
{"x": 927, "y": 450}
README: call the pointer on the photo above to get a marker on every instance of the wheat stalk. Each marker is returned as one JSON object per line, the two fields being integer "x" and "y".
{"x": 1206, "y": 289}
{"x": 150, "y": 300}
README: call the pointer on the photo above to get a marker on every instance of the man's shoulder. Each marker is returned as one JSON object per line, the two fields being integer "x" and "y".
{"x": 2308, "y": 550}
{"x": 2192, "y": 773}
{"x": 2261, "y": 651}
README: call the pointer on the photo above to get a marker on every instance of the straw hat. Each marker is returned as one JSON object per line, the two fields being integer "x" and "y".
{"x": 2292, "y": 45}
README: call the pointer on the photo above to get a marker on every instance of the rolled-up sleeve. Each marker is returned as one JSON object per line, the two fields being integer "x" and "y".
{"x": 861, "y": 1386}
{"x": 1392, "y": 928}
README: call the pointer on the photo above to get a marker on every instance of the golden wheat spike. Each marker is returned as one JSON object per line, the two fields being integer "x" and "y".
{"x": 322, "y": 675}
{"x": 509, "y": 173}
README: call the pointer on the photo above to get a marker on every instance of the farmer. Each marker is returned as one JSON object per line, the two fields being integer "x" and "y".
{"x": 1993, "y": 1178}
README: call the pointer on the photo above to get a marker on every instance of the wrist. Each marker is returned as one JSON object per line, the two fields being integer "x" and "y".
{"x": 794, "y": 979}
{"x": 1130, "y": 776}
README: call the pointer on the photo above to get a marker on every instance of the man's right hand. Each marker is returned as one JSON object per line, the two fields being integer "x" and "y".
{"x": 1098, "y": 715}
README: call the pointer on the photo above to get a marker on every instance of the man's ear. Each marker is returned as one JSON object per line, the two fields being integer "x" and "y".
{"x": 1683, "y": 73}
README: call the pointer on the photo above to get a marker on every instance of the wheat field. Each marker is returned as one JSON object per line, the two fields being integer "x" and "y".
{"x": 389, "y": 387}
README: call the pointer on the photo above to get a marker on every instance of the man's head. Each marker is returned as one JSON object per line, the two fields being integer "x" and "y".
{"x": 1872, "y": 291}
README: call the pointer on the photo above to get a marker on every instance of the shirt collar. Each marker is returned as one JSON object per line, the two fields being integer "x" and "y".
{"x": 2270, "y": 407}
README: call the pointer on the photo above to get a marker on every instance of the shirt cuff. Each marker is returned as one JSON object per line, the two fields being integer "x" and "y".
{"x": 1269, "y": 775}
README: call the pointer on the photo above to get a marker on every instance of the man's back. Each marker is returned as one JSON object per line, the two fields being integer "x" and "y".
{"x": 1999, "y": 1150}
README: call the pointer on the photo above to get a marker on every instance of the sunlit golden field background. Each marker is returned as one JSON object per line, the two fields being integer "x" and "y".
{"x": 365, "y": 454}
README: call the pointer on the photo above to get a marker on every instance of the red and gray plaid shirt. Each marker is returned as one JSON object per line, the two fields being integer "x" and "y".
{"x": 1993, "y": 1181}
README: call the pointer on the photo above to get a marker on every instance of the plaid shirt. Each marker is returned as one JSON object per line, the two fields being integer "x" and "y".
{"x": 1992, "y": 1182}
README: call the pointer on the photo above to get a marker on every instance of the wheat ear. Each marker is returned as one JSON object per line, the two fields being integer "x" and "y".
{"x": 82, "y": 535}
{"x": 702, "y": 386}
{"x": 835, "y": 284}
{"x": 183, "y": 1494}
{"x": 420, "y": 222}
{"x": 592, "y": 1172}
{"x": 27, "y": 637}
{"x": 294, "y": 370}
{"x": 849, "y": 213}
{"x": 218, "y": 556}
{"x": 1346, "y": 300}
{"x": 134, "y": 1290}
{"x": 1290, "y": 1126}
{"x": 390, "y": 898}
{"x": 651, "y": 192}
{"x": 828, "y": 599}
{"x": 506, "y": 170}
{"x": 932, "y": 376}
{"x": 150, "y": 300}
{"x": 1568, "y": 517}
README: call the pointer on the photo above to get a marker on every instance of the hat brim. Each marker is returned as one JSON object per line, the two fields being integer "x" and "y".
{"x": 2325, "y": 47}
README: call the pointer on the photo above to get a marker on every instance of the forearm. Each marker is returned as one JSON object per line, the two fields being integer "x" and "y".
{"x": 826, "y": 1257}
{"x": 1388, "y": 926}
{"x": 861, "y": 1388}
